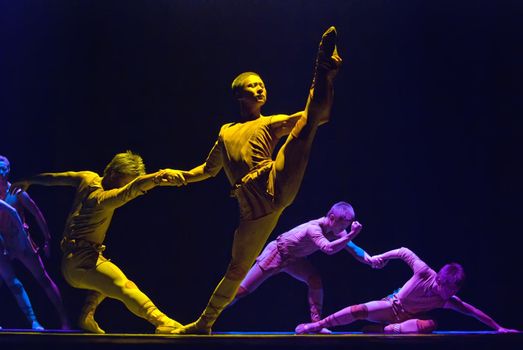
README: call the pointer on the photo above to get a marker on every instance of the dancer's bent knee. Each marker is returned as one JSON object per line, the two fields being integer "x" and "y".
{"x": 426, "y": 326}
{"x": 359, "y": 312}
{"x": 236, "y": 272}
{"x": 130, "y": 285}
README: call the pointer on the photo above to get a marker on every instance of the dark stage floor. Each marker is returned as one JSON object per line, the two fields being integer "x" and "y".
{"x": 17, "y": 339}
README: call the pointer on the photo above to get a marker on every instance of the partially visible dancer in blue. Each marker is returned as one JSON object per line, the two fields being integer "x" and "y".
{"x": 16, "y": 243}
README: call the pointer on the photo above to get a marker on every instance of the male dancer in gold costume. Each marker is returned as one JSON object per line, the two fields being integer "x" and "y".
{"x": 83, "y": 264}
{"x": 263, "y": 186}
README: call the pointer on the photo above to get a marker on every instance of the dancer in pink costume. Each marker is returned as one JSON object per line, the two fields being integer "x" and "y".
{"x": 289, "y": 251}
{"x": 400, "y": 313}
{"x": 17, "y": 244}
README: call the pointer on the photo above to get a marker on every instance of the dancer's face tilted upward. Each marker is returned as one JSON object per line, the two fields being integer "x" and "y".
{"x": 253, "y": 91}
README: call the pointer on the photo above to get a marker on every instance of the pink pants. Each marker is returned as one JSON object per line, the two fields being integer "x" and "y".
{"x": 270, "y": 263}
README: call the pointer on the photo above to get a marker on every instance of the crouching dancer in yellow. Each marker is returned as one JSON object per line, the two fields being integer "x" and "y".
{"x": 263, "y": 187}
{"x": 83, "y": 264}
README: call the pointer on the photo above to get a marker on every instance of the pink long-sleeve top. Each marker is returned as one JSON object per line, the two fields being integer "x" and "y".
{"x": 419, "y": 294}
{"x": 306, "y": 239}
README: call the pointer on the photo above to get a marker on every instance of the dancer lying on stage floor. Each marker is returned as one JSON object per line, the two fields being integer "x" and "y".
{"x": 83, "y": 264}
{"x": 263, "y": 187}
{"x": 289, "y": 251}
{"x": 18, "y": 245}
{"x": 400, "y": 313}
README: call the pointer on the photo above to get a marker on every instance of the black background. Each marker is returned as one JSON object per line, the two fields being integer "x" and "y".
{"x": 424, "y": 141}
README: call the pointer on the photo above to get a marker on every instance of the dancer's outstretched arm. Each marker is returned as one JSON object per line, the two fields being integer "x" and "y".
{"x": 357, "y": 252}
{"x": 117, "y": 197}
{"x": 404, "y": 254}
{"x": 67, "y": 178}
{"x": 196, "y": 174}
{"x": 456, "y": 304}
{"x": 210, "y": 168}
{"x": 362, "y": 256}
{"x": 31, "y": 206}
{"x": 114, "y": 197}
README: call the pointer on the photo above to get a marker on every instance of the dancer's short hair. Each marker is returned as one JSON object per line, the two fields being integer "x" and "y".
{"x": 452, "y": 273}
{"x": 126, "y": 163}
{"x": 237, "y": 83}
{"x": 342, "y": 210}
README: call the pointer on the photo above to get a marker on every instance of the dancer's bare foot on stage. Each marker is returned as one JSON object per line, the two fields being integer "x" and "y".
{"x": 88, "y": 323}
{"x": 325, "y": 331}
{"x": 308, "y": 328}
{"x": 36, "y": 326}
{"x": 193, "y": 328}
{"x": 168, "y": 327}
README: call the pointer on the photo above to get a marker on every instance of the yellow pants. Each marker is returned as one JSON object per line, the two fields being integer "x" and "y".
{"x": 87, "y": 268}
{"x": 249, "y": 239}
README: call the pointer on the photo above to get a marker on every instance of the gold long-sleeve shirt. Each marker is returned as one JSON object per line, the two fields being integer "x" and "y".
{"x": 93, "y": 207}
